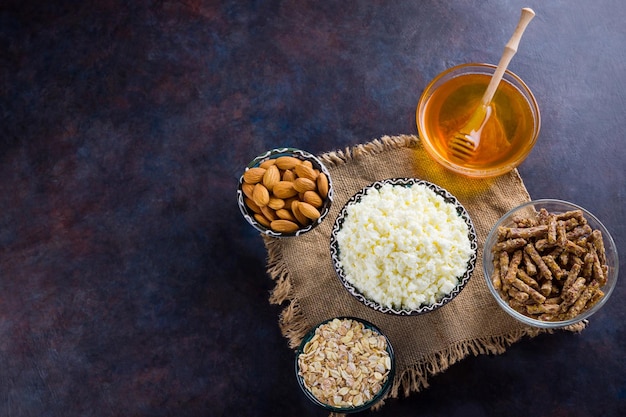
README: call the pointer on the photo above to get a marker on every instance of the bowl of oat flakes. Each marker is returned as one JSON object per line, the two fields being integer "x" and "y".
{"x": 550, "y": 263}
{"x": 345, "y": 365}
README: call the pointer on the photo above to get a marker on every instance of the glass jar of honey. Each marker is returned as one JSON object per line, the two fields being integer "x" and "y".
{"x": 508, "y": 135}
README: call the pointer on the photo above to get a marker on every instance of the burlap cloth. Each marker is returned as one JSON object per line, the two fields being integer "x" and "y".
{"x": 472, "y": 323}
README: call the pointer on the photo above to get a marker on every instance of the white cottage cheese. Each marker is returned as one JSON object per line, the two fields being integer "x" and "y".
{"x": 403, "y": 246}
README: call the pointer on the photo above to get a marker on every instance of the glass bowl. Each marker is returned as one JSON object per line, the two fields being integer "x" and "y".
{"x": 299, "y": 223}
{"x": 339, "y": 378}
{"x": 335, "y": 249}
{"x": 507, "y": 138}
{"x": 564, "y": 316}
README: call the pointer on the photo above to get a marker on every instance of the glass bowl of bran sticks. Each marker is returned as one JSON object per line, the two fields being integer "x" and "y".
{"x": 550, "y": 263}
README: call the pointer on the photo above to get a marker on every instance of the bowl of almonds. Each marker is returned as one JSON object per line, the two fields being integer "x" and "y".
{"x": 550, "y": 263}
{"x": 285, "y": 192}
{"x": 345, "y": 365}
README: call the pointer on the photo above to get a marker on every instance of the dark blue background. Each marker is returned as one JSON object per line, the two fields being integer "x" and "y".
{"x": 130, "y": 285}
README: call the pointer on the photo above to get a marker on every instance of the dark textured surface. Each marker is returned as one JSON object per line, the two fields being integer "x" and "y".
{"x": 130, "y": 285}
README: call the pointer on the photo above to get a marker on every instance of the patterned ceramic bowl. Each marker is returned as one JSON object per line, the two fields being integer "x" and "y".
{"x": 310, "y": 185}
{"x": 453, "y": 286}
{"x": 355, "y": 388}
{"x": 561, "y": 288}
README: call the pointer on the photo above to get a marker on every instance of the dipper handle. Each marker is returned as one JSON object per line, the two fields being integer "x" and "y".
{"x": 509, "y": 51}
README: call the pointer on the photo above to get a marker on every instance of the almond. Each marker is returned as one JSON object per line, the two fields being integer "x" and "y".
{"x": 247, "y": 189}
{"x": 313, "y": 199}
{"x": 252, "y": 205}
{"x": 322, "y": 185}
{"x": 269, "y": 213}
{"x": 308, "y": 210}
{"x": 284, "y": 189}
{"x": 260, "y": 195}
{"x": 271, "y": 177}
{"x": 262, "y": 220}
{"x": 284, "y": 226}
{"x": 295, "y": 209}
{"x": 276, "y": 203}
{"x": 287, "y": 162}
{"x": 304, "y": 171}
{"x": 288, "y": 202}
{"x": 268, "y": 163}
{"x": 289, "y": 175}
{"x": 285, "y": 215}
{"x": 307, "y": 163}
{"x": 304, "y": 184}
{"x": 253, "y": 175}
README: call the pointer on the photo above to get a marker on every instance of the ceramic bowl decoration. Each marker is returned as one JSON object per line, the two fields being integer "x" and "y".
{"x": 403, "y": 246}
{"x": 345, "y": 365}
{"x": 285, "y": 192}
{"x": 549, "y": 263}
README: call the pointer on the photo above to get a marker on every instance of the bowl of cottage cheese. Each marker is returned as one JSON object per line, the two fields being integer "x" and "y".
{"x": 403, "y": 246}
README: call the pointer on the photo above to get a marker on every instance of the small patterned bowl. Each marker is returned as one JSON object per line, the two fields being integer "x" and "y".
{"x": 249, "y": 214}
{"x": 376, "y": 397}
{"x": 424, "y": 308}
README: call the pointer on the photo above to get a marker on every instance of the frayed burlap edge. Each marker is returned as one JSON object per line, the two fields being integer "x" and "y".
{"x": 415, "y": 378}
{"x": 291, "y": 321}
{"x": 293, "y": 325}
{"x": 371, "y": 148}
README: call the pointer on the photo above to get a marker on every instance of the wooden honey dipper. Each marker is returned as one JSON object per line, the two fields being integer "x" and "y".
{"x": 465, "y": 141}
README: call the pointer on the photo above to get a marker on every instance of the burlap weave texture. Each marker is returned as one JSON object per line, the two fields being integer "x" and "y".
{"x": 471, "y": 324}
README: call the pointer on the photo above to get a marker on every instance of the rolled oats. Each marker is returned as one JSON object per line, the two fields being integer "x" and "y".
{"x": 344, "y": 364}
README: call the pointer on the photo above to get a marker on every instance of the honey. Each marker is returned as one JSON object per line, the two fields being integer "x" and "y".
{"x": 508, "y": 133}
